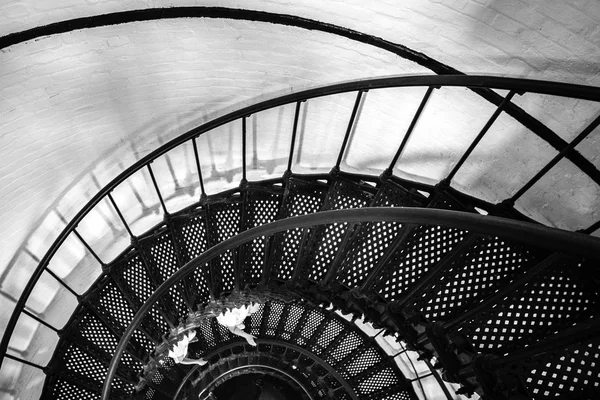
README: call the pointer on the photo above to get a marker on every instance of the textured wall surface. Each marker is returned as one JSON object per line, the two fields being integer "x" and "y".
{"x": 77, "y": 108}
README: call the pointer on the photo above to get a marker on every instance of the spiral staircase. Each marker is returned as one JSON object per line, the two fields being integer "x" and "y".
{"x": 491, "y": 300}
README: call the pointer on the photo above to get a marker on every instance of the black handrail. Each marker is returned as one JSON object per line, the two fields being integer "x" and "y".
{"x": 518, "y": 231}
{"x": 473, "y": 82}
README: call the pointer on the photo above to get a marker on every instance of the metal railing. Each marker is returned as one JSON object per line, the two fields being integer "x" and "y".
{"x": 521, "y": 232}
{"x": 482, "y": 85}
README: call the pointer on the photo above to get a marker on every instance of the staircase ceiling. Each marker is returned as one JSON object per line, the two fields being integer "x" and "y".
{"x": 77, "y": 108}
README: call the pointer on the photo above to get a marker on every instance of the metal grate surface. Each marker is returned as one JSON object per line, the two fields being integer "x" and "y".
{"x": 224, "y": 223}
{"x": 325, "y": 241}
{"x": 488, "y": 264}
{"x": 81, "y": 365}
{"x": 102, "y": 340}
{"x": 373, "y": 238}
{"x": 191, "y": 238}
{"x": 113, "y": 307}
{"x": 381, "y": 377}
{"x": 421, "y": 251}
{"x": 261, "y": 207}
{"x": 302, "y": 198}
{"x": 554, "y": 301}
{"x": 64, "y": 390}
{"x": 159, "y": 250}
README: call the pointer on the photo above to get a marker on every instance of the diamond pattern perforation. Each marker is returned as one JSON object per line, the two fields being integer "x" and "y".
{"x": 199, "y": 286}
{"x": 224, "y": 223}
{"x": 111, "y": 304}
{"x": 365, "y": 251}
{"x": 100, "y": 337}
{"x": 273, "y": 319}
{"x": 256, "y": 321}
{"x": 348, "y": 344}
{"x": 552, "y": 302}
{"x": 373, "y": 238}
{"x": 137, "y": 279}
{"x": 563, "y": 373}
{"x": 160, "y": 252}
{"x": 64, "y": 390}
{"x": 324, "y": 244}
{"x": 190, "y": 236}
{"x": 132, "y": 274}
{"x": 422, "y": 250}
{"x": 253, "y": 256}
{"x": 489, "y": 263}
{"x": 381, "y": 378}
{"x": 292, "y": 321}
{"x": 363, "y": 361}
{"x": 260, "y": 208}
{"x": 81, "y": 365}
{"x": 302, "y": 198}
{"x": 207, "y": 332}
{"x": 331, "y": 331}
{"x": 221, "y": 333}
{"x": 190, "y": 233}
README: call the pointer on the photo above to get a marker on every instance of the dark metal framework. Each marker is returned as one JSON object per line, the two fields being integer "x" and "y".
{"x": 238, "y": 241}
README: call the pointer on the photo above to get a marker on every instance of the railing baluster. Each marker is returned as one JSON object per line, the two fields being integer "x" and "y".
{"x": 162, "y": 202}
{"x": 410, "y": 129}
{"x": 73, "y": 292}
{"x": 99, "y": 210}
{"x": 60, "y": 281}
{"x": 121, "y": 217}
{"x": 89, "y": 248}
{"x": 480, "y": 135}
{"x": 294, "y": 133}
{"x": 41, "y": 321}
{"x": 136, "y": 194}
{"x": 202, "y": 191}
{"x": 244, "y": 149}
{"x": 564, "y": 152}
{"x": 592, "y": 228}
{"x": 7, "y": 355}
{"x": 350, "y": 128}
{"x": 172, "y": 171}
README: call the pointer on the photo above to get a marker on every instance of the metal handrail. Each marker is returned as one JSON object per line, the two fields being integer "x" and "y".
{"x": 473, "y": 82}
{"x": 523, "y": 232}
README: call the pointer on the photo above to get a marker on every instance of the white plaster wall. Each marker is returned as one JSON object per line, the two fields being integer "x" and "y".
{"x": 80, "y": 107}
{"x": 552, "y": 39}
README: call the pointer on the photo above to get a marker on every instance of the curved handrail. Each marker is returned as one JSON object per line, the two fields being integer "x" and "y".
{"x": 473, "y": 82}
{"x": 548, "y": 238}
